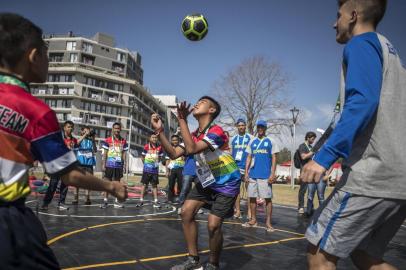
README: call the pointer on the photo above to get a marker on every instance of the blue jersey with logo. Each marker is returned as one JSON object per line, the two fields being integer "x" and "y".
{"x": 85, "y": 153}
{"x": 261, "y": 151}
{"x": 240, "y": 144}
{"x": 190, "y": 166}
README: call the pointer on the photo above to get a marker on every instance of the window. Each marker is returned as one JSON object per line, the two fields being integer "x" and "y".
{"x": 73, "y": 57}
{"x": 117, "y": 67}
{"x": 87, "y": 47}
{"x": 120, "y": 57}
{"x": 87, "y": 60}
{"x": 55, "y": 57}
{"x": 71, "y": 45}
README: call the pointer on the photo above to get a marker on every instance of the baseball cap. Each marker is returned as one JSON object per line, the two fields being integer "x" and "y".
{"x": 262, "y": 123}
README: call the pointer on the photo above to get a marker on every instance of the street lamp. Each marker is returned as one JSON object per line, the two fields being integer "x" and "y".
{"x": 132, "y": 104}
{"x": 295, "y": 113}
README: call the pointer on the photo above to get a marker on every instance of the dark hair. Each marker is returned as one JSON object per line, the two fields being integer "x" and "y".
{"x": 310, "y": 134}
{"x": 175, "y": 136}
{"x": 69, "y": 122}
{"x": 116, "y": 124}
{"x": 216, "y": 105}
{"x": 85, "y": 127}
{"x": 17, "y": 35}
{"x": 372, "y": 10}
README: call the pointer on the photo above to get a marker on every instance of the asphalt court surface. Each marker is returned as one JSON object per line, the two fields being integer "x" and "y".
{"x": 87, "y": 237}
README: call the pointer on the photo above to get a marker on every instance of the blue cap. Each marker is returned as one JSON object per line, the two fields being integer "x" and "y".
{"x": 240, "y": 120}
{"x": 262, "y": 123}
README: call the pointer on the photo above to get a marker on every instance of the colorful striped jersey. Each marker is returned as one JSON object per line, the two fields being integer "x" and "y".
{"x": 29, "y": 131}
{"x": 176, "y": 163}
{"x": 115, "y": 149}
{"x": 152, "y": 154}
{"x": 221, "y": 163}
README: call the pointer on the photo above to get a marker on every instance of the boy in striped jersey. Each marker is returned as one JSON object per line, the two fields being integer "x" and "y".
{"x": 29, "y": 131}
{"x": 218, "y": 183}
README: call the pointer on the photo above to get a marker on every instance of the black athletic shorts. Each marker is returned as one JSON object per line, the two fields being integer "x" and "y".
{"x": 219, "y": 204}
{"x": 114, "y": 174}
{"x": 150, "y": 178}
{"x": 23, "y": 241}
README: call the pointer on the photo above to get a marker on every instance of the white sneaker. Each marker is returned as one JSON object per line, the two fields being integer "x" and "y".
{"x": 200, "y": 211}
{"x": 156, "y": 204}
{"x": 118, "y": 205}
{"x": 301, "y": 211}
{"x": 179, "y": 210}
{"x": 104, "y": 204}
{"x": 62, "y": 206}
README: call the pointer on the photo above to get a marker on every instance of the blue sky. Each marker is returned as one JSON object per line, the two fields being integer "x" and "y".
{"x": 297, "y": 34}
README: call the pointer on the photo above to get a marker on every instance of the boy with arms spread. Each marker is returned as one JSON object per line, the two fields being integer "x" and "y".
{"x": 114, "y": 158}
{"x": 29, "y": 131}
{"x": 218, "y": 177}
{"x": 151, "y": 156}
{"x": 368, "y": 205}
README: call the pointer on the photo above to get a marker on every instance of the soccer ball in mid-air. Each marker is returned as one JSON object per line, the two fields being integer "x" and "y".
{"x": 195, "y": 27}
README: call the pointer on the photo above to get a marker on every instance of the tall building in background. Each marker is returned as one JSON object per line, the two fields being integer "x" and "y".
{"x": 170, "y": 101}
{"x": 93, "y": 83}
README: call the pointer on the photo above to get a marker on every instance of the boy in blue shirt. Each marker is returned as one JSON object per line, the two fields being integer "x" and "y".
{"x": 260, "y": 173}
{"x": 368, "y": 205}
{"x": 85, "y": 155}
{"x": 238, "y": 145}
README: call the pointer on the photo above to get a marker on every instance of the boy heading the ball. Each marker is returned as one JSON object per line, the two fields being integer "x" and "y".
{"x": 218, "y": 177}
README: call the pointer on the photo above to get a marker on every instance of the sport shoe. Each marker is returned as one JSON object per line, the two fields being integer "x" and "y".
{"x": 179, "y": 210}
{"x": 141, "y": 203}
{"x": 88, "y": 202}
{"x": 104, "y": 204}
{"x": 200, "y": 211}
{"x": 189, "y": 264}
{"x": 301, "y": 210}
{"x": 210, "y": 266}
{"x": 118, "y": 205}
{"x": 62, "y": 206}
{"x": 75, "y": 202}
{"x": 157, "y": 204}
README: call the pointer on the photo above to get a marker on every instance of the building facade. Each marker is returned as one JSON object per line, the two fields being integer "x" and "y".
{"x": 171, "y": 102}
{"x": 93, "y": 83}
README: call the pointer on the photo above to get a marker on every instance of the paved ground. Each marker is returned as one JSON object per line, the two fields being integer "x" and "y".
{"x": 87, "y": 237}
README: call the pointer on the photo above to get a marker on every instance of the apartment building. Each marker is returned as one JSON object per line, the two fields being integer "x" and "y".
{"x": 93, "y": 83}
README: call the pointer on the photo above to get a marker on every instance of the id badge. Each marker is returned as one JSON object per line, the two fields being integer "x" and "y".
{"x": 252, "y": 162}
{"x": 238, "y": 156}
{"x": 205, "y": 175}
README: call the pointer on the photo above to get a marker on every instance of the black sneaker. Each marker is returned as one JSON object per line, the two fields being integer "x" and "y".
{"x": 104, "y": 204}
{"x": 189, "y": 264}
{"x": 141, "y": 203}
{"x": 210, "y": 266}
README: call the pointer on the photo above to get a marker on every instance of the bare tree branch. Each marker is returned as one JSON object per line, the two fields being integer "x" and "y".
{"x": 254, "y": 89}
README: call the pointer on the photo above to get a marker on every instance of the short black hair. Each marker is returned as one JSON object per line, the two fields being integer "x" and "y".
{"x": 69, "y": 122}
{"x": 116, "y": 124}
{"x": 175, "y": 136}
{"x": 310, "y": 134}
{"x": 372, "y": 10}
{"x": 217, "y": 105}
{"x": 17, "y": 35}
{"x": 85, "y": 127}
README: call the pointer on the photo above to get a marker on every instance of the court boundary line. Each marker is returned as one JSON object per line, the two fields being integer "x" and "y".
{"x": 268, "y": 243}
{"x": 65, "y": 235}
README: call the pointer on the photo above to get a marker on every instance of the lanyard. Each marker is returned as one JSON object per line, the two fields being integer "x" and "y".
{"x": 263, "y": 139}
{"x": 114, "y": 148}
{"x": 243, "y": 140}
{"x": 308, "y": 147}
